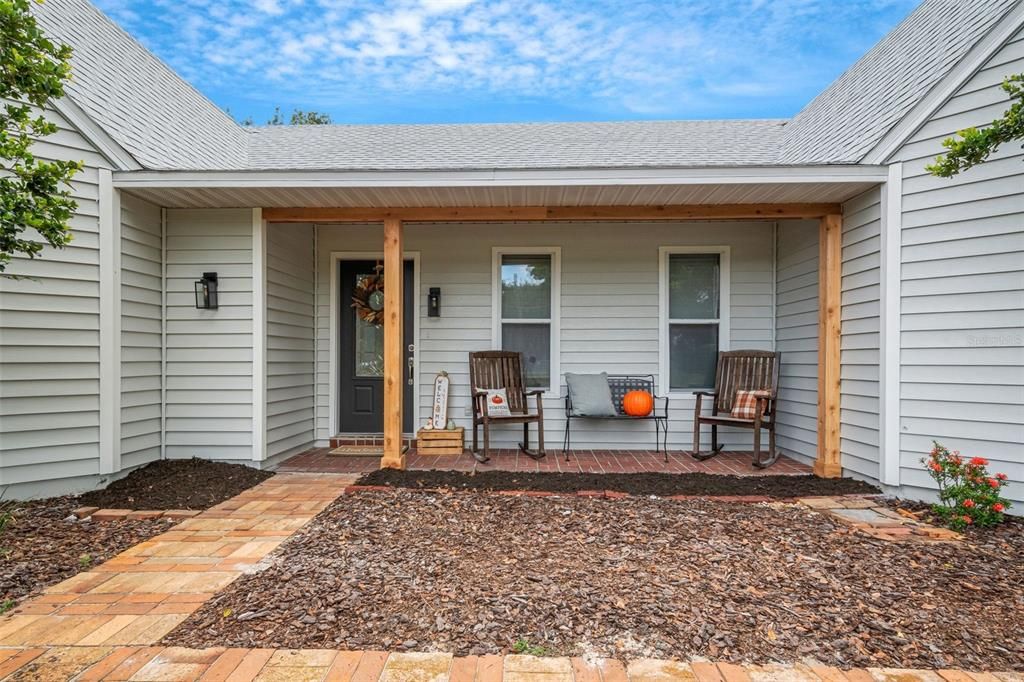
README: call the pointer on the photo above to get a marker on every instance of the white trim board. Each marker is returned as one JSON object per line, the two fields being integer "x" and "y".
{"x": 259, "y": 336}
{"x": 335, "y": 347}
{"x": 724, "y": 312}
{"x": 836, "y": 174}
{"x": 110, "y": 324}
{"x": 555, "y": 321}
{"x": 890, "y": 293}
{"x": 111, "y": 150}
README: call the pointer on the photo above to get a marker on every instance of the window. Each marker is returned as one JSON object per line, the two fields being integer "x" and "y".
{"x": 694, "y": 315}
{"x": 526, "y": 282}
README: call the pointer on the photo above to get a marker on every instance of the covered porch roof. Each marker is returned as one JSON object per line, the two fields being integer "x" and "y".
{"x": 626, "y": 187}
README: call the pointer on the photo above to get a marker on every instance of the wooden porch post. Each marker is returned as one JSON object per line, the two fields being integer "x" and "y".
{"x": 393, "y": 457}
{"x": 830, "y": 233}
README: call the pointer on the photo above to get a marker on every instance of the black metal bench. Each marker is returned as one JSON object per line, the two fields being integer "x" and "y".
{"x": 620, "y": 385}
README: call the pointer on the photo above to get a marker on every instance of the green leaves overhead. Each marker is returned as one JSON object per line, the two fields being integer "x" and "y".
{"x": 973, "y": 146}
{"x": 35, "y": 200}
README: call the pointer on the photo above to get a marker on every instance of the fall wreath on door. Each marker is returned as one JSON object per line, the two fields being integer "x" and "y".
{"x": 368, "y": 297}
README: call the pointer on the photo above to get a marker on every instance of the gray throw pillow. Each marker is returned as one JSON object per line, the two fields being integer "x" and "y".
{"x": 590, "y": 394}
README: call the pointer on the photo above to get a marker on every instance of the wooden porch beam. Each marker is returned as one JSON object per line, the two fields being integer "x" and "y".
{"x": 538, "y": 213}
{"x": 830, "y": 257}
{"x": 393, "y": 457}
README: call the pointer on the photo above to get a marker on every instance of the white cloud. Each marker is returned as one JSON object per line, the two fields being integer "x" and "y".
{"x": 646, "y": 57}
{"x": 268, "y": 6}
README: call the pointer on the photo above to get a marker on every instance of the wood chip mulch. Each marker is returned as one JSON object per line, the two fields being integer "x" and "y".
{"x": 633, "y": 577}
{"x": 44, "y": 545}
{"x": 176, "y": 484}
{"x": 653, "y": 483}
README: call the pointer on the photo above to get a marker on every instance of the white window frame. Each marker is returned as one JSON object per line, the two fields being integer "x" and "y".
{"x": 556, "y": 296}
{"x": 664, "y": 321}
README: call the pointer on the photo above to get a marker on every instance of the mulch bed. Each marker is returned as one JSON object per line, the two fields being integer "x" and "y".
{"x": 632, "y": 577}
{"x": 662, "y": 485}
{"x": 42, "y": 546}
{"x": 176, "y": 484}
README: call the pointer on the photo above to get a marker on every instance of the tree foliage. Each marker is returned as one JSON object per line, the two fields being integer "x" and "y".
{"x": 972, "y": 146}
{"x": 34, "y": 194}
{"x": 298, "y": 118}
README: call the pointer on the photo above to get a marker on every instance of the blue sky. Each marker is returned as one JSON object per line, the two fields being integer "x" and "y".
{"x": 430, "y": 61}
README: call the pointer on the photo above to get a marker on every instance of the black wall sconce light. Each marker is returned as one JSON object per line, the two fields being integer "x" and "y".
{"x": 434, "y": 302}
{"x": 206, "y": 291}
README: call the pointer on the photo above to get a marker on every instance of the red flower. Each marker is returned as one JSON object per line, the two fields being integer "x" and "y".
{"x": 979, "y": 461}
{"x": 1001, "y": 477}
{"x": 935, "y": 466}
{"x": 969, "y": 504}
{"x": 993, "y": 483}
{"x": 998, "y": 507}
{"x": 967, "y": 519}
{"x": 955, "y": 459}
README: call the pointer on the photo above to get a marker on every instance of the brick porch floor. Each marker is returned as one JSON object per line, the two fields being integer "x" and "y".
{"x": 580, "y": 461}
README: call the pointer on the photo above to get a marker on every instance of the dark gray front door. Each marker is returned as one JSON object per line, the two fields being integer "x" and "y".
{"x": 361, "y": 384}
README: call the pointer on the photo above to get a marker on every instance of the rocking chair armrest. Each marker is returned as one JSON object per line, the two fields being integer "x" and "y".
{"x": 536, "y": 391}
{"x": 709, "y": 394}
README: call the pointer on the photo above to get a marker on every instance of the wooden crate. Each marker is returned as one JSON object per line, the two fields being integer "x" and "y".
{"x": 439, "y": 441}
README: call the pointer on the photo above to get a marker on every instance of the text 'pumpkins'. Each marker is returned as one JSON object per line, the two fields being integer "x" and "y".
{"x": 637, "y": 403}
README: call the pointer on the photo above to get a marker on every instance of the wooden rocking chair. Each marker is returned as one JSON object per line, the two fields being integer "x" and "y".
{"x": 503, "y": 369}
{"x": 741, "y": 370}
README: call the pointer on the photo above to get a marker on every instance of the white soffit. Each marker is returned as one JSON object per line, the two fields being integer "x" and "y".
{"x": 483, "y": 188}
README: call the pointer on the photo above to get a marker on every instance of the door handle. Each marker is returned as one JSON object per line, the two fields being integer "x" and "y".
{"x": 412, "y": 365}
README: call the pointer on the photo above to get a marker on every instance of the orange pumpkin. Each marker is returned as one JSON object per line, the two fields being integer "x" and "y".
{"x": 637, "y": 403}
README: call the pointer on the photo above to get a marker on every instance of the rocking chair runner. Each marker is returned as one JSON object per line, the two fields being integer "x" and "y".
{"x": 741, "y": 370}
{"x": 503, "y": 369}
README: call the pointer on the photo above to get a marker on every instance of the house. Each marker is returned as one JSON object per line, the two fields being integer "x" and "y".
{"x": 895, "y": 297}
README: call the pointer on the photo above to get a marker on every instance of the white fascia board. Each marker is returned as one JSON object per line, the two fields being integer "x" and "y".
{"x": 480, "y": 178}
{"x": 972, "y": 62}
{"x": 113, "y": 152}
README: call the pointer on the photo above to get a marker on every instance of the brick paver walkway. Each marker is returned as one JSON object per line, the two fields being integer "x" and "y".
{"x": 580, "y": 461}
{"x": 146, "y": 591}
{"x": 152, "y": 664}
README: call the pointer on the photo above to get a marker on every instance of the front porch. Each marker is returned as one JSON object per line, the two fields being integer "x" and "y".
{"x": 763, "y": 276}
{"x": 737, "y": 463}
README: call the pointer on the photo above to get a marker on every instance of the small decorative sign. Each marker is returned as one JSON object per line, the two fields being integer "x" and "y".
{"x": 439, "y": 418}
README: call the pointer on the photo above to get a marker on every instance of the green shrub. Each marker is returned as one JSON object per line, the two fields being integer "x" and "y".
{"x": 968, "y": 494}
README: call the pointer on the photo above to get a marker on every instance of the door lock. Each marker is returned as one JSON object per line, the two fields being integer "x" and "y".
{"x": 412, "y": 371}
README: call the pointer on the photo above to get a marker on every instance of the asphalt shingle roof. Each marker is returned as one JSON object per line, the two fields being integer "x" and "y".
{"x": 138, "y": 100}
{"x": 166, "y": 124}
{"x": 843, "y": 123}
{"x": 517, "y": 145}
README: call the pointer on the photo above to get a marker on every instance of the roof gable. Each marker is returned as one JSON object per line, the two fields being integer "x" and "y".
{"x": 141, "y": 103}
{"x": 846, "y": 121}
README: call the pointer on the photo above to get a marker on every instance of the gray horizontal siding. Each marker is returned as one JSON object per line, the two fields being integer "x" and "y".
{"x": 291, "y": 389}
{"x": 49, "y": 339}
{"x": 609, "y": 308}
{"x": 209, "y": 352}
{"x": 962, "y": 341}
{"x": 141, "y": 337}
{"x": 859, "y": 413}
{"x": 796, "y": 337}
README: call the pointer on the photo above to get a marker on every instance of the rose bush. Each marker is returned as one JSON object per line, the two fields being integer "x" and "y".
{"x": 968, "y": 494}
